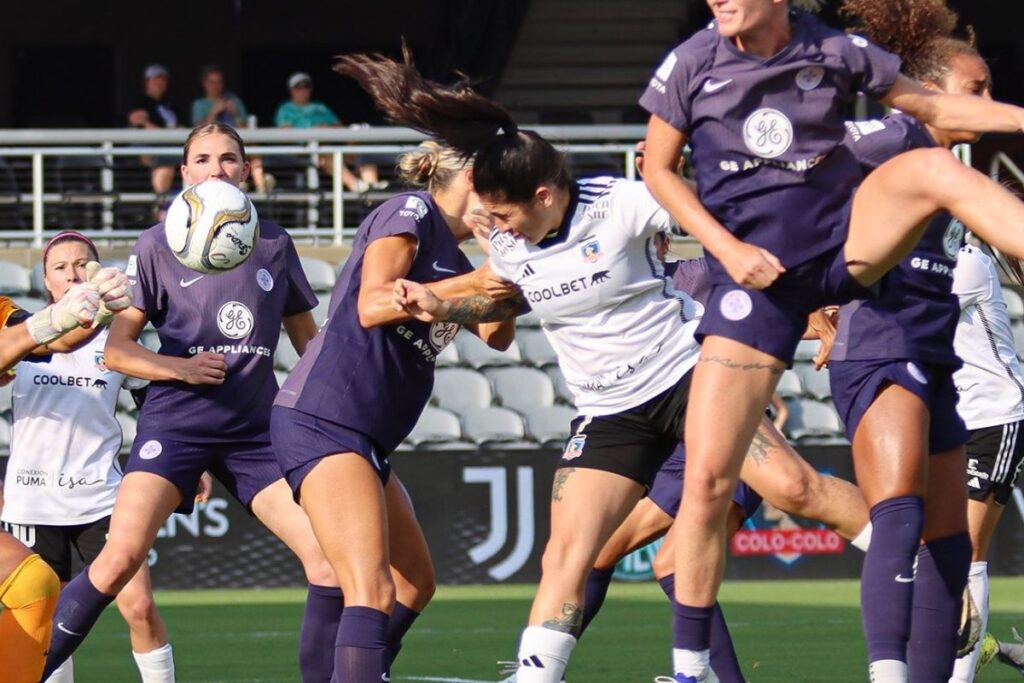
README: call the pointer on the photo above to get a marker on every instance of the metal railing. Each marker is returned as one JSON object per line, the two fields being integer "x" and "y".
{"x": 340, "y": 144}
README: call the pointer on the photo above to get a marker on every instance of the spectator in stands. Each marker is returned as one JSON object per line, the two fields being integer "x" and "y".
{"x": 301, "y": 111}
{"x": 219, "y": 105}
{"x": 152, "y": 110}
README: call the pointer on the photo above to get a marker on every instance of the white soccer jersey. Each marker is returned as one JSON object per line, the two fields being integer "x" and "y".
{"x": 990, "y": 384}
{"x": 622, "y": 333}
{"x": 63, "y": 468}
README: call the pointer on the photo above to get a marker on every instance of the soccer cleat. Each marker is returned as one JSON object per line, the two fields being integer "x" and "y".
{"x": 708, "y": 677}
{"x": 507, "y": 668}
{"x": 970, "y": 626}
{"x": 1012, "y": 654}
{"x": 989, "y": 648}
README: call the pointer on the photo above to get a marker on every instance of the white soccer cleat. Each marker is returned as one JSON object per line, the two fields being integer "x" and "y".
{"x": 1012, "y": 654}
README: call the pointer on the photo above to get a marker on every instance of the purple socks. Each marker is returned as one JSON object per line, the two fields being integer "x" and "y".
{"x": 887, "y": 581}
{"x": 320, "y": 619}
{"x": 724, "y": 661}
{"x": 361, "y": 649}
{"x": 942, "y": 568}
{"x": 80, "y": 605}
{"x": 401, "y": 621}
{"x": 594, "y": 594}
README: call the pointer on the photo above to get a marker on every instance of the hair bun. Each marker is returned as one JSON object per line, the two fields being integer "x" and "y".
{"x": 419, "y": 166}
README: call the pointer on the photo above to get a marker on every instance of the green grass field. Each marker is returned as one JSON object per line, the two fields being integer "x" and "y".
{"x": 785, "y": 631}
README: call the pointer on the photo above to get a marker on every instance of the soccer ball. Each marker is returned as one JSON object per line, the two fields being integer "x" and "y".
{"x": 212, "y": 227}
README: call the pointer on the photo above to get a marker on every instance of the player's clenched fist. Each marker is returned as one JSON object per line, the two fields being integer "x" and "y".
{"x": 112, "y": 284}
{"x": 417, "y": 301}
{"x": 203, "y": 368}
{"x": 77, "y": 308}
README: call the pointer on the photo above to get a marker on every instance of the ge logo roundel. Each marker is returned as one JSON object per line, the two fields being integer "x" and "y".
{"x": 234, "y": 320}
{"x": 768, "y": 133}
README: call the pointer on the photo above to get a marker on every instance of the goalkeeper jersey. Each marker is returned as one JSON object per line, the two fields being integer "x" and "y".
{"x": 63, "y": 468}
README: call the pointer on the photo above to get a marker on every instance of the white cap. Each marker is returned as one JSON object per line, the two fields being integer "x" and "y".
{"x": 299, "y": 77}
{"x": 154, "y": 70}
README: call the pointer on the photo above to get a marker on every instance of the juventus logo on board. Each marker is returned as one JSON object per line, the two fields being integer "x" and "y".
{"x": 496, "y": 478}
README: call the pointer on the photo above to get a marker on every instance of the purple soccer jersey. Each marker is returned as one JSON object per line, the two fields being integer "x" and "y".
{"x": 378, "y": 380}
{"x": 915, "y": 313}
{"x": 767, "y": 134}
{"x": 237, "y": 313}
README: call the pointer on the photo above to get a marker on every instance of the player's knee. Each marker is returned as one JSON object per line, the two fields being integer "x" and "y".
{"x": 139, "y": 612}
{"x": 115, "y": 567}
{"x": 373, "y": 589}
{"x": 664, "y": 564}
{"x": 564, "y": 554}
{"x": 319, "y": 571}
{"x": 795, "y": 495}
{"x": 707, "y": 492}
{"x": 935, "y": 171}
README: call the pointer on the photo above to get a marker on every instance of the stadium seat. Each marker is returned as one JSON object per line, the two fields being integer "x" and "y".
{"x": 5, "y": 436}
{"x": 14, "y": 279}
{"x": 1018, "y": 337}
{"x": 5, "y": 398}
{"x": 280, "y": 376}
{"x": 449, "y": 356}
{"x": 812, "y": 419}
{"x": 476, "y": 354}
{"x": 128, "y": 429}
{"x": 522, "y": 389}
{"x": 561, "y": 388}
{"x": 320, "y": 274}
{"x": 461, "y": 390}
{"x": 494, "y": 427}
{"x": 322, "y": 307}
{"x": 549, "y": 425}
{"x": 35, "y": 278}
{"x": 434, "y": 426}
{"x": 807, "y": 349}
{"x": 285, "y": 357}
{"x": 125, "y": 402}
{"x": 150, "y": 339}
{"x": 537, "y": 350}
{"x": 31, "y": 304}
{"x": 790, "y": 385}
{"x": 528, "y": 320}
{"x": 816, "y": 382}
{"x": 1014, "y": 303}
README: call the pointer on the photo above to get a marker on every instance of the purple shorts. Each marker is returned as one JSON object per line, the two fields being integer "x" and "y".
{"x": 773, "y": 320}
{"x": 302, "y": 440}
{"x": 855, "y": 384}
{"x": 244, "y": 468}
{"x": 667, "y": 490}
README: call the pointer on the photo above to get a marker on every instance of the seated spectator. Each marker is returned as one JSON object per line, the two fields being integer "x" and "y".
{"x": 218, "y": 105}
{"x": 152, "y": 110}
{"x": 223, "y": 106}
{"x": 301, "y": 111}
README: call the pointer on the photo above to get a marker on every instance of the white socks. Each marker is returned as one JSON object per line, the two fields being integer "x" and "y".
{"x": 156, "y": 666}
{"x": 695, "y": 663}
{"x": 543, "y": 655}
{"x": 65, "y": 673}
{"x": 862, "y": 540}
{"x": 888, "y": 671}
{"x": 977, "y": 586}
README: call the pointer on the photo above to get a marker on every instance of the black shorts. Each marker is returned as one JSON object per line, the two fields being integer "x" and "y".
{"x": 60, "y": 545}
{"x": 994, "y": 457}
{"x": 634, "y": 443}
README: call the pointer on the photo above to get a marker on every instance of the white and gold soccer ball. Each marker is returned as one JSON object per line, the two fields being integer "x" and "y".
{"x": 212, "y": 227}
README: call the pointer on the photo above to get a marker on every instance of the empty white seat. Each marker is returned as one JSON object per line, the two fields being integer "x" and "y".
{"x": 461, "y": 390}
{"x": 807, "y": 349}
{"x": 522, "y": 389}
{"x": 321, "y": 309}
{"x": 790, "y": 385}
{"x": 493, "y": 425}
{"x": 35, "y": 278}
{"x": 125, "y": 402}
{"x": 5, "y": 397}
{"x": 434, "y": 426}
{"x": 285, "y": 357}
{"x": 537, "y": 350}
{"x": 449, "y": 357}
{"x": 549, "y": 425}
{"x": 150, "y": 339}
{"x": 320, "y": 274}
{"x": 816, "y": 382}
{"x": 1018, "y": 337}
{"x": 1014, "y": 302}
{"x": 477, "y": 354}
{"x": 14, "y": 278}
{"x": 5, "y": 436}
{"x": 810, "y": 418}
{"x": 561, "y": 388}
{"x": 528, "y": 320}
{"x": 32, "y": 304}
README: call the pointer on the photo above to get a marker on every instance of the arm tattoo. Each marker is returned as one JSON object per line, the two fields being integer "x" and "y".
{"x": 561, "y": 476}
{"x": 483, "y": 309}
{"x": 774, "y": 368}
{"x": 759, "y": 449}
{"x": 570, "y": 622}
